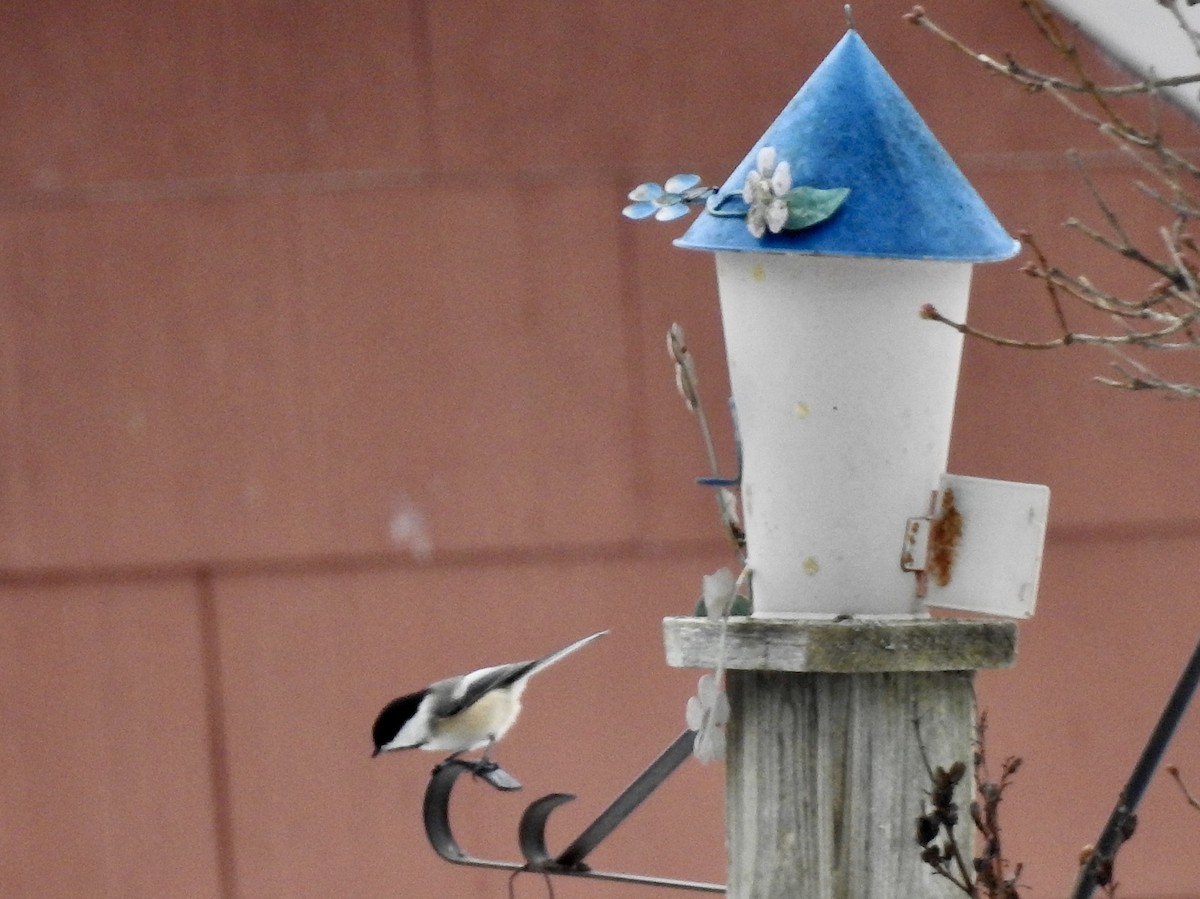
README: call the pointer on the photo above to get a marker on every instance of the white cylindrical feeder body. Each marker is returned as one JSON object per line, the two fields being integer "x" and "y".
{"x": 845, "y": 399}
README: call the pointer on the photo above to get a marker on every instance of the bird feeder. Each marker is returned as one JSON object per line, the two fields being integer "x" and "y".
{"x": 842, "y": 222}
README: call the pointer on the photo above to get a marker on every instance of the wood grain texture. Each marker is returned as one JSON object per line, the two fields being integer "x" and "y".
{"x": 825, "y": 780}
{"x": 853, "y": 645}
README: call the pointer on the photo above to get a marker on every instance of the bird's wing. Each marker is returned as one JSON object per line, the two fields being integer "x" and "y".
{"x": 458, "y": 693}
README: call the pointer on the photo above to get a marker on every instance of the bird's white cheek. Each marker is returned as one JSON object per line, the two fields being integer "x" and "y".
{"x": 414, "y": 731}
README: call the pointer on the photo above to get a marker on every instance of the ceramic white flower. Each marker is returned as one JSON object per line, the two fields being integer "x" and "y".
{"x": 765, "y": 192}
{"x": 719, "y": 592}
{"x": 707, "y": 713}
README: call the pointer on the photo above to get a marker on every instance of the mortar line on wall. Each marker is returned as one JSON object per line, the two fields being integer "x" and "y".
{"x": 423, "y": 46}
{"x": 218, "y": 743}
{"x": 334, "y": 563}
{"x": 1122, "y": 531}
{"x": 238, "y": 186}
{"x": 504, "y": 557}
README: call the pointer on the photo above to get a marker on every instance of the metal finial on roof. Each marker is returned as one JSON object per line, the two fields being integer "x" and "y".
{"x": 849, "y": 16}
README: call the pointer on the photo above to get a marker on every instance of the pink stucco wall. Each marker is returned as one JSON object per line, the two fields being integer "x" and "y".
{"x": 281, "y": 282}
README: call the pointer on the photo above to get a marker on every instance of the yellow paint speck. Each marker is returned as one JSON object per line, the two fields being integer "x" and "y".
{"x": 801, "y": 410}
{"x": 758, "y": 273}
{"x": 810, "y": 566}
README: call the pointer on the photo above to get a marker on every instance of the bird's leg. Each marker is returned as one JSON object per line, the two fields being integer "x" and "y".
{"x": 446, "y": 761}
{"x": 485, "y": 763}
{"x": 478, "y": 768}
{"x": 486, "y": 769}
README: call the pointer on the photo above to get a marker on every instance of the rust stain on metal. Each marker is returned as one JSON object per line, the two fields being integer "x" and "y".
{"x": 910, "y": 542}
{"x": 944, "y": 534}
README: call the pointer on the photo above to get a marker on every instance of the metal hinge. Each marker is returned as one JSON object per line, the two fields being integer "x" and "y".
{"x": 979, "y": 546}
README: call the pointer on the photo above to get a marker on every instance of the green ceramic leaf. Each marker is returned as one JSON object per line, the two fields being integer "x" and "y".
{"x": 807, "y": 206}
{"x": 741, "y": 606}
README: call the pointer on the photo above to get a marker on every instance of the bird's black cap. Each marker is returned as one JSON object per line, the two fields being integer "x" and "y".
{"x": 393, "y": 717}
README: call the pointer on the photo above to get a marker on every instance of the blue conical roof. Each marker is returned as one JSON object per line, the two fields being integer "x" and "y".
{"x": 851, "y": 126}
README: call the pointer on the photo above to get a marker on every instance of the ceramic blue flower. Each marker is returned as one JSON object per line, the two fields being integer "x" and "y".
{"x": 668, "y": 202}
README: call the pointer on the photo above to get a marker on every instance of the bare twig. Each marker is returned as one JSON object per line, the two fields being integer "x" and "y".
{"x": 688, "y": 383}
{"x": 928, "y": 311}
{"x": 988, "y": 876}
{"x": 1187, "y": 29}
{"x": 1034, "y": 80}
{"x": 1166, "y": 316}
{"x": 1187, "y": 794}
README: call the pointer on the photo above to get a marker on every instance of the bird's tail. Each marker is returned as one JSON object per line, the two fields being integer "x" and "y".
{"x": 538, "y": 665}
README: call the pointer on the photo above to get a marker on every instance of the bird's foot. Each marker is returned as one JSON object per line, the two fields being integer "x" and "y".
{"x": 484, "y": 766}
{"x": 483, "y": 769}
{"x": 496, "y": 776}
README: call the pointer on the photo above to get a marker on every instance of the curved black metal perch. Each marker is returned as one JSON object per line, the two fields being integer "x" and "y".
{"x": 531, "y": 834}
{"x": 532, "y": 829}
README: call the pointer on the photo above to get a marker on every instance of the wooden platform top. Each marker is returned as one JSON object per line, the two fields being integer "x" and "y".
{"x": 853, "y": 645}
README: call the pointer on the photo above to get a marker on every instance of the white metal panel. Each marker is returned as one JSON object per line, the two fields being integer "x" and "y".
{"x": 995, "y": 554}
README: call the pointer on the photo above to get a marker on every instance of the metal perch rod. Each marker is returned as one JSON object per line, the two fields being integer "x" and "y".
{"x": 532, "y": 828}
{"x": 1118, "y": 826}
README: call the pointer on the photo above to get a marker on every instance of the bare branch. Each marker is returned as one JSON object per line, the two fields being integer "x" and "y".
{"x": 1187, "y": 29}
{"x": 1165, "y": 316}
{"x": 929, "y": 312}
{"x": 1187, "y": 794}
{"x": 1037, "y": 81}
{"x": 1142, "y": 378}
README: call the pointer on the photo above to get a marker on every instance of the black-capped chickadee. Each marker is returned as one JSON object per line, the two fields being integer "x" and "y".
{"x": 459, "y": 714}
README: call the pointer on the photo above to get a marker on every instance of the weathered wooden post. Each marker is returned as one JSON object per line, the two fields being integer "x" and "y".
{"x": 844, "y": 400}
